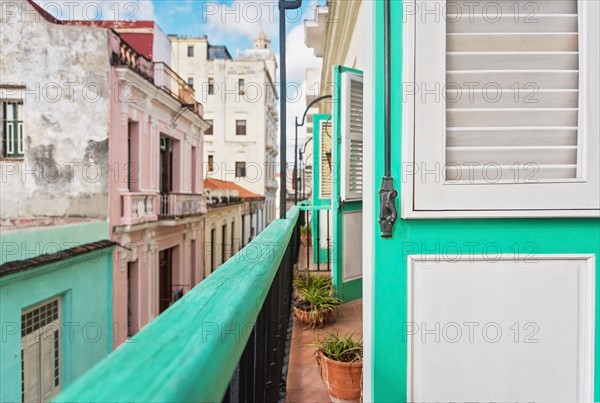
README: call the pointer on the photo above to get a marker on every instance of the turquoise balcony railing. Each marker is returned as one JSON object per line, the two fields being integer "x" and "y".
{"x": 225, "y": 340}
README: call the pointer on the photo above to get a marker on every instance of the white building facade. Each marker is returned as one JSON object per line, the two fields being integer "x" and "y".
{"x": 240, "y": 101}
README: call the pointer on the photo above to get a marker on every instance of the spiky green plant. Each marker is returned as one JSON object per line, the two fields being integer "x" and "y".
{"x": 314, "y": 297}
{"x": 341, "y": 348}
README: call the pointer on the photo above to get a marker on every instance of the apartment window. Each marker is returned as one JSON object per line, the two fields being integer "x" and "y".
{"x": 12, "y": 130}
{"x": 505, "y": 121}
{"x": 240, "y": 169}
{"x": 232, "y": 238}
{"x": 191, "y": 81}
{"x": 211, "y": 163}
{"x": 209, "y": 131}
{"x": 133, "y": 323}
{"x": 240, "y": 127}
{"x": 166, "y": 165}
{"x": 241, "y": 84}
{"x": 190, "y": 51}
{"x": 223, "y": 243}
{"x": 211, "y": 86}
{"x": 41, "y": 352}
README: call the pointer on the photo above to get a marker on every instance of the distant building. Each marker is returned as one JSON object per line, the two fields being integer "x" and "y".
{"x": 240, "y": 102}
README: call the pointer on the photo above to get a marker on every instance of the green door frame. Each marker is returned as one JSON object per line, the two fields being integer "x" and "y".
{"x": 349, "y": 290}
{"x": 318, "y": 214}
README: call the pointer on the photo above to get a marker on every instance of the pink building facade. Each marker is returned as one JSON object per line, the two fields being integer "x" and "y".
{"x": 157, "y": 205}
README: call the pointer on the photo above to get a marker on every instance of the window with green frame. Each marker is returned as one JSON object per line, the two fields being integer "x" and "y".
{"x": 12, "y": 130}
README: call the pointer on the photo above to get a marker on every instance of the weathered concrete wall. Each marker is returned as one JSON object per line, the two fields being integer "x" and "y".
{"x": 65, "y": 71}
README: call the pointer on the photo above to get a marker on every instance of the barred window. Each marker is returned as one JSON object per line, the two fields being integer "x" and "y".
{"x": 12, "y": 130}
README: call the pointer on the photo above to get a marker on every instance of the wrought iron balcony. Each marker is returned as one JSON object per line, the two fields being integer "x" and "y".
{"x": 213, "y": 344}
{"x": 175, "y": 205}
{"x": 138, "y": 208}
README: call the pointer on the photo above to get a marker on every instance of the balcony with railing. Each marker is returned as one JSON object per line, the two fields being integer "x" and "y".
{"x": 122, "y": 54}
{"x": 138, "y": 208}
{"x": 159, "y": 73}
{"x": 177, "y": 205}
{"x": 169, "y": 81}
{"x": 212, "y": 344}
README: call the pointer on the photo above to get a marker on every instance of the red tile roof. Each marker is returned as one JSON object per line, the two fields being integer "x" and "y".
{"x": 212, "y": 183}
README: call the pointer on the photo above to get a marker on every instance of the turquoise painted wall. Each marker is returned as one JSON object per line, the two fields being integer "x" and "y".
{"x": 84, "y": 284}
{"x": 542, "y": 236}
{"x": 31, "y": 242}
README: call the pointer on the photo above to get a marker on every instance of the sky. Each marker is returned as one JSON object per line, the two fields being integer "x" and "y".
{"x": 233, "y": 23}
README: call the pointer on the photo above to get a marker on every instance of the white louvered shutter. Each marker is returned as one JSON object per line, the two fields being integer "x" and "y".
{"x": 507, "y": 104}
{"x": 31, "y": 368}
{"x": 325, "y": 136}
{"x": 352, "y": 137}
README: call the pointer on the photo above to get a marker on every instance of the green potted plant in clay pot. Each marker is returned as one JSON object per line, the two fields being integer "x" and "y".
{"x": 340, "y": 360}
{"x": 314, "y": 303}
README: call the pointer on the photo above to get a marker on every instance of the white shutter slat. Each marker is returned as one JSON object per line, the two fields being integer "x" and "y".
{"x": 512, "y": 42}
{"x": 526, "y": 98}
{"x": 511, "y": 117}
{"x": 512, "y": 155}
{"x": 512, "y": 60}
{"x": 543, "y": 79}
{"x": 506, "y": 23}
{"x": 511, "y": 136}
{"x": 351, "y": 158}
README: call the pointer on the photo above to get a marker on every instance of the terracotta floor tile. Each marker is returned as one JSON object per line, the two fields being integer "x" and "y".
{"x": 307, "y": 396}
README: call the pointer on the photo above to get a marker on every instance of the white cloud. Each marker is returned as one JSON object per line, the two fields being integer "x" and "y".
{"x": 242, "y": 19}
{"x": 121, "y": 10}
{"x": 299, "y": 57}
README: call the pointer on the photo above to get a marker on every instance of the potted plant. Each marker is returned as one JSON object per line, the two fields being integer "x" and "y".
{"x": 340, "y": 360}
{"x": 305, "y": 235}
{"x": 314, "y": 303}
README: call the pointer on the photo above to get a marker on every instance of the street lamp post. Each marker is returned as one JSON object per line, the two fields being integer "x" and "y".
{"x": 283, "y": 6}
{"x": 314, "y": 102}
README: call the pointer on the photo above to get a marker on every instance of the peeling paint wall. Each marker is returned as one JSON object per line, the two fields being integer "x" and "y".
{"x": 65, "y": 71}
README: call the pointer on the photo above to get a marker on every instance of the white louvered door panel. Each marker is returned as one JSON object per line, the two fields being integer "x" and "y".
{"x": 31, "y": 367}
{"x": 325, "y": 135}
{"x": 506, "y": 117}
{"x": 352, "y": 136}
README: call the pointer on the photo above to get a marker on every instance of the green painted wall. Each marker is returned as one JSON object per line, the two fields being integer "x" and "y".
{"x": 542, "y": 236}
{"x": 349, "y": 290}
{"x": 85, "y": 286}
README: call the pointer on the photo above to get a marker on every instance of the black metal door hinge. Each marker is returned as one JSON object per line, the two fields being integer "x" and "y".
{"x": 387, "y": 207}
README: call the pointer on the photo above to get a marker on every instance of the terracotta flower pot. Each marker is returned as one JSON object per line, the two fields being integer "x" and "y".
{"x": 315, "y": 319}
{"x": 343, "y": 379}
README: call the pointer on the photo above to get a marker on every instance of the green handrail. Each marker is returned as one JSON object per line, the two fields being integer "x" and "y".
{"x": 189, "y": 352}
